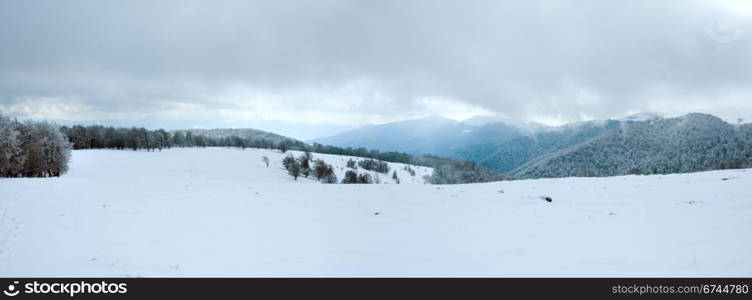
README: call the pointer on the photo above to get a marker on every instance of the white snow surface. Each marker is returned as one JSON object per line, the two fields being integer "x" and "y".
{"x": 222, "y": 212}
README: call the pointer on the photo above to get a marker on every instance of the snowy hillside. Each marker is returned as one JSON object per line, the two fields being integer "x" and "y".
{"x": 691, "y": 143}
{"x": 222, "y": 212}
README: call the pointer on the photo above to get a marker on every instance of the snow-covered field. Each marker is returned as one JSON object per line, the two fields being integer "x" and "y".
{"x": 222, "y": 212}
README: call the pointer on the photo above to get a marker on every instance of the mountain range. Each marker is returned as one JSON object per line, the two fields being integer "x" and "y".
{"x": 639, "y": 144}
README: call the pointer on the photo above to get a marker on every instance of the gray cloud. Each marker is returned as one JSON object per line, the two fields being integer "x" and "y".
{"x": 330, "y": 61}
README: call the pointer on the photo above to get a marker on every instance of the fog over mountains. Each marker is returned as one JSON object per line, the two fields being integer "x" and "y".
{"x": 640, "y": 144}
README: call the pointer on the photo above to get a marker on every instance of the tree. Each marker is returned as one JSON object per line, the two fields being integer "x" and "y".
{"x": 395, "y": 178}
{"x": 364, "y": 178}
{"x": 58, "y": 155}
{"x": 307, "y": 155}
{"x": 321, "y": 169}
{"x": 11, "y": 151}
{"x": 282, "y": 146}
{"x": 162, "y": 139}
{"x": 53, "y": 149}
{"x": 200, "y": 141}
{"x": 374, "y": 165}
{"x": 305, "y": 167}
{"x": 32, "y": 149}
{"x": 324, "y": 172}
{"x": 410, "y": 170}
{"x": 329, "y": 178}
{"x": 294, "y": 170}
{"x": 178, "y": 139}
{"x": 265, "y": 160}
{"x": 288, "y": 161}
{"x": 350, "y": 177}
{"x": 351, "y": 164}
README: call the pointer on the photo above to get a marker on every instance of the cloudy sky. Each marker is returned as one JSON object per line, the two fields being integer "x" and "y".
{"x": 331, "y": 64}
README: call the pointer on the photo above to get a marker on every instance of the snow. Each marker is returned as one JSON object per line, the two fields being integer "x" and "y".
{"x": 222, "y": 212}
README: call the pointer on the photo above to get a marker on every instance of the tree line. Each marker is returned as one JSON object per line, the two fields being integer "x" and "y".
{"x": 32, "y": 149}
{"x": 101, "y": 137}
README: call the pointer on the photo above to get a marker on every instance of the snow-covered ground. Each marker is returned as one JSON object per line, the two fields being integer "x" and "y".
{"x": 222, "y": 212}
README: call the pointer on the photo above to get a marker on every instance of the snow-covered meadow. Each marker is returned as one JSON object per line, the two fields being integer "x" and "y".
{"x": 222, "y": 212}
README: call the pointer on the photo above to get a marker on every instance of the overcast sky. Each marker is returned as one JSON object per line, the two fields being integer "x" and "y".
{"x": 234, "y": 63}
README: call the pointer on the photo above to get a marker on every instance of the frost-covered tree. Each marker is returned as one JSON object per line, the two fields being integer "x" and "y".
{"x": 50, "y": 148}
{"x": 265, "y": 160}
{"x": 32, "y": 149}
{"x": 12, "y": 157}
{"x": 395, "y": 178}
{"x": 178, "y": 139}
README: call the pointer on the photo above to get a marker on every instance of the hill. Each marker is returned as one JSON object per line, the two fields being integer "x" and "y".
{"x": 695, "y": 142}
{"x": 644, "y": 143}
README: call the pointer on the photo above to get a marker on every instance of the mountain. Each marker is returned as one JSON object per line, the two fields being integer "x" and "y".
{"x": 499, "y": 143}
{"x": 644, "y": 143}
{"x": 508, "y": 154}
{"x": 400, "y": 136}
{"x": 300, "y": 131}
{"x": 691, "y": 143}
{"x": 433, "y": 135}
